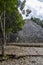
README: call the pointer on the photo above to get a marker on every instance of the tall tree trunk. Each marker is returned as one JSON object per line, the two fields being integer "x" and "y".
{"x": 4, "y": 38}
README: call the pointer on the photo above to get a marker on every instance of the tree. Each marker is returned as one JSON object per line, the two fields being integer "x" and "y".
{"x": 24, "y": 12}
{"x": 11, "y": 20}
{"x": 38, "y": 21}
{"x": 22, "y": 5}
{"x": 28, "y": 12}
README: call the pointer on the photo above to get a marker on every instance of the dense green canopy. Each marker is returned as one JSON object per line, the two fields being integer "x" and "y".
{"x": 13, "y": 19}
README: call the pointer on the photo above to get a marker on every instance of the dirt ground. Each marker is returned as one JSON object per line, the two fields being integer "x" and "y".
{"x": 23, "y": 61}
{"x": 24, "y": 56}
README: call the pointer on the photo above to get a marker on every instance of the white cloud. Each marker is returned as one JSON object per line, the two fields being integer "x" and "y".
{"x": 21, "y": 0}
{"x": 36, "y": 6}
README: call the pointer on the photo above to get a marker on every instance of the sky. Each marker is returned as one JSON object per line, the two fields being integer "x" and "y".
{"x": 36, "y": 6}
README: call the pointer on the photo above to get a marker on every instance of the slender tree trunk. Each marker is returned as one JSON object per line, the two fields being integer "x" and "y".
{"x": 2, "y": 31}
{"x": 4, "y": 37}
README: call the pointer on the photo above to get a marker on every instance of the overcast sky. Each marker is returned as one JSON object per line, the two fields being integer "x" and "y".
{"x": 36, "y": 6}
